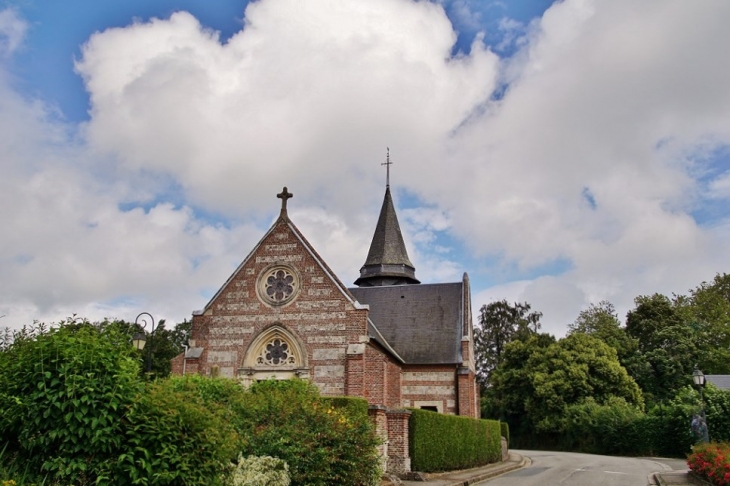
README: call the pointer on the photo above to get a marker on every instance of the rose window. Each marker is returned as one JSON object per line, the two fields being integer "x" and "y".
{"x": 276, "y": 353}
{"x": 279, "y": 285}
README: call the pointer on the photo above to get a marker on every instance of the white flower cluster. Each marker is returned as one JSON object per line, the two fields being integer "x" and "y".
{"x": 261, "y": 471}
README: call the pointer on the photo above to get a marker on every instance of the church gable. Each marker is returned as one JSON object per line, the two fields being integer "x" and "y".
{"x": 282, "y": 313}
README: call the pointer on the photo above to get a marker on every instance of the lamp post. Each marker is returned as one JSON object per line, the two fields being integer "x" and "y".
{"x": 698, "y": 377}
{"x": 139, "y": 339}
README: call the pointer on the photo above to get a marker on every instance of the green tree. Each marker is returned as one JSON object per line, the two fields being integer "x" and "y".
{"x": 601, "y": 321}
{"x": 708, "y": 307}
{"x": 539, "y": 379}
{"x": 667, "y": 345}
{"x": 511, "y": 382}
{"x": 499, "y": 324}
{"x": 164, "y": 345}
{"x": 64, "y": 393}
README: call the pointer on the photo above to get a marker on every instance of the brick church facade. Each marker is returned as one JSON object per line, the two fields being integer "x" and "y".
{"x": 391, "y": 340}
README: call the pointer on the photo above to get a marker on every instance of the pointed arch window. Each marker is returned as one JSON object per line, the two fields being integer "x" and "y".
{"x": 275, "y": 353}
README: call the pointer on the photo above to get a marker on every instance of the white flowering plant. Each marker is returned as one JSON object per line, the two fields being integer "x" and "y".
{"x": 260, "y": 471}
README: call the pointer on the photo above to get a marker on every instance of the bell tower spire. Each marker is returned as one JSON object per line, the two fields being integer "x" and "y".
{"x": 387, "y": 262}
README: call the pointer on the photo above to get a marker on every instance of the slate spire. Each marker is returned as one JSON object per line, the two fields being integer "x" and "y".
{"x": 387, "y": 262}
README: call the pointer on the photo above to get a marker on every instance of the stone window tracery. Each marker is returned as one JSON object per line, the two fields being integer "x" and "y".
{"x": 277, "y": 352}
{"x": 278, "y": 285}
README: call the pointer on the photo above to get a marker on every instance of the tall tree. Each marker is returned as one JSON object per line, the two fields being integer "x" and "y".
{"x": 709, "y": 312}
{"x": 499, "y": 324}
{"x": 601, "y": 321}
{"x": 667, "y": 344}
{"x": 163, "y": 346}
{"x": 540, "y": 378}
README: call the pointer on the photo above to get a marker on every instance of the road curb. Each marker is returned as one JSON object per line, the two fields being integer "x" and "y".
{"x": 526, "y": 461}
{"x": 676, "y": 478}
{"x": 658, "y": 479}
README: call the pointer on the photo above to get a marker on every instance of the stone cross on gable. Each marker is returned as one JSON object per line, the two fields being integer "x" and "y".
{"x": 284, "y": 195}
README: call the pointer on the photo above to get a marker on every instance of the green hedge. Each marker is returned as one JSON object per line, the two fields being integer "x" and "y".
{"x": 621, "y": 429}
{"x": 441, "y": 442}
{"x": 504, "y": 430}
{"x": 322, "y": 443}
{"x": 352, "y": 406}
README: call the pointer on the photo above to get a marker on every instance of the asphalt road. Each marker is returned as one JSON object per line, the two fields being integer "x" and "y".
{"x": 573, "y": 469}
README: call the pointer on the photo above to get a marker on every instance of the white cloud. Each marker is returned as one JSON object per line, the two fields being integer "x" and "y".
{"x": 609, "y": 98}
{"x": 720, "y": 187}
{"x": 309, "y": 92}
{"x": 602, "y": 87}
{"x": 12, "y": 31}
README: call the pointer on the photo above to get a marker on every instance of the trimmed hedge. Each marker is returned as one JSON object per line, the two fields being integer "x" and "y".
{"x": 504, "y": 430}
{"x": 441, "y": 442}
{"x": 620, "y": 429}
{"x": 351, "y": 406}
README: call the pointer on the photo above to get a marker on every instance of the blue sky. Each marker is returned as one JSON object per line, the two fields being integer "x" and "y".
{"x": 560, "y": 153}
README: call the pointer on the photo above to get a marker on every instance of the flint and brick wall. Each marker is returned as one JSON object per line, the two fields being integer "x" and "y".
{"x": 430, "y": 386}
{"x": 399, "y": 459}
{"x": 320, "y": 316}
{"x": 467, "y": 391}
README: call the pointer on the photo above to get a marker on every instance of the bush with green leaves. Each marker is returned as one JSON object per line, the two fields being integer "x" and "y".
{"x": 75, "y": 411}
{"x": 175, "y": 437}
{"x": 322, "y": 444}
{"x": 441, "y": 442}
{"x": 260, "y": 471}
{"x": 711, "y": 462}
{"x": 65, "y": 393}
{"x": 504, "y": 430}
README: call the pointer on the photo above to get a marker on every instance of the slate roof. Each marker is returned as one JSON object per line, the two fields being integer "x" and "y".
{"x": 720, "y": 381}
{"x": 387, "y": 256}
{"x": 423, "y": 323}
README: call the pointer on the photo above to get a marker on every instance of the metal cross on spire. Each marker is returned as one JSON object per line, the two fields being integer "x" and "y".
{"x": 387, "y": 165}
{"x": 284, "y": 195}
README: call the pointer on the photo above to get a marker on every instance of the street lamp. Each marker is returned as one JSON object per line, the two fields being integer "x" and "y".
{"x": 139, "y": 339}
{"x": 698, "y": 377}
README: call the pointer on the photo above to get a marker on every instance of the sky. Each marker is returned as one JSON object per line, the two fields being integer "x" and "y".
{"x": 561, "y": 153}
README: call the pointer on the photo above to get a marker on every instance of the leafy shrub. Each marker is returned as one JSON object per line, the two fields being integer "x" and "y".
{"x": 711, "y": 462}
{"x": 441, "y": 442}
{"x": 175, "y": 437}
{"x": 260, "y": 471}
{"x": 322, "y": 444}
{"x": 504, "y": 430}
{"x": 603, "y": 428}
{"x": 351, "y": 406}
{"x": 65, "y": 393}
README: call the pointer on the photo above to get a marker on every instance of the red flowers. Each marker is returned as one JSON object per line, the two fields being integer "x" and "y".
{"x": 712, "y": 462}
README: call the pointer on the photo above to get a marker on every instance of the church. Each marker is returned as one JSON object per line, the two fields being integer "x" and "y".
{"x": 391, "y": 340}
